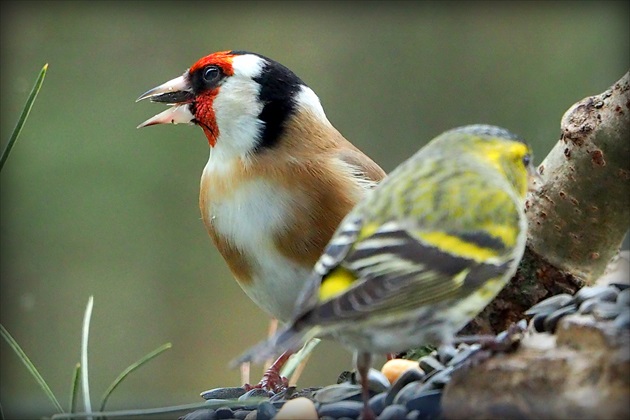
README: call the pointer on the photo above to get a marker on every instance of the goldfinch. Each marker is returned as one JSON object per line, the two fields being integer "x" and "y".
{"x": 279, "y": 178}
{"x": 422, "y": 254}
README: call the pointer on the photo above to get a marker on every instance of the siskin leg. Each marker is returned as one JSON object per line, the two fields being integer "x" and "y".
{"x": 363, "y": 361}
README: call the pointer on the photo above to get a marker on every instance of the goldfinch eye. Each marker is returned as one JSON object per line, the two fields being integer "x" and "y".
{"x": 211, "y": 74}
{"x": 527, "y": 159}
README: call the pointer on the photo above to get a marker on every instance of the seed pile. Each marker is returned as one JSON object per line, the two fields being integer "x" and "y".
{"x": 606, "y": 303}
{"x": 417, "y": 393}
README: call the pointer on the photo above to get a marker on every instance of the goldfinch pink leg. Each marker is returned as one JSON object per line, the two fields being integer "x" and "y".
{"x": 245, "y": 370}
{"x": 273, "y": 327}
{"x": 271, "y": 380}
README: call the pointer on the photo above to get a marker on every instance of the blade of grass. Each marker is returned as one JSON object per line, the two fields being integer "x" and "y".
{"x": 27, "y": 109}
{"x": 144, "y": 413}
{"x": 85, "y": 385}
{"x": 1, "y": 412}
{"x": 74, "y": 388}
{"x": 30, "y": 367}
{"x": 130, "y": 369}
{"x": 299, "y": 358}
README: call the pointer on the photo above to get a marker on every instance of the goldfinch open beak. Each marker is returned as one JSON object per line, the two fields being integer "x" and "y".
{"x": 178, "y": 94}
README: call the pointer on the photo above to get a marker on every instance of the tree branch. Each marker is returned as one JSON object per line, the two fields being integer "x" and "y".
{"x": 579, "y": 212}
{"x": 579, "y": 215}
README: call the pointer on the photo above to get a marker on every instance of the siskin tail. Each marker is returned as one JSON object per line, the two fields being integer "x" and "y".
{"x": 290, "y": 338}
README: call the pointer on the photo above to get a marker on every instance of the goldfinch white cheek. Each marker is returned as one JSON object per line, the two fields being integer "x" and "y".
{"x": 236, "y": 109}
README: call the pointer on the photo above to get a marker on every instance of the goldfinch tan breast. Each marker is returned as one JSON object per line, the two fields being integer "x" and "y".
{"x": 279, "y": 178}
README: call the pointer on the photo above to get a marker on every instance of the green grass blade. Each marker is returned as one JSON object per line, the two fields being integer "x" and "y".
{"x": 144, "y": 413}
{"x": 301, "y": 356}
{"x": 27, "y": 109}
{"x": 85, "y": 385}
{"x": 130, "y": 369}
{"x": 30, "y": 367}
{"x": 74, "y": 388}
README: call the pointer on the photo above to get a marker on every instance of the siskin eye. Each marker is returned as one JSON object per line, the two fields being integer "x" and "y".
{"x": 527, "y": 159}
{"x": 211, "y": 74}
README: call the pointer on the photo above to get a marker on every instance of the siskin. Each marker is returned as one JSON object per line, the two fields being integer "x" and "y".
{"x": 422, "y": 254}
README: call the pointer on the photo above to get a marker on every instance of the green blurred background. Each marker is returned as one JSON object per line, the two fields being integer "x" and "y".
{"x": 92, "y": 206}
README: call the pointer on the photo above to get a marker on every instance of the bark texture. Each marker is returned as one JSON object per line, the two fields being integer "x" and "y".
{"x": 579, "y": 215}
{"x": 578, "y": 212}
{"x": 581, "y": 372}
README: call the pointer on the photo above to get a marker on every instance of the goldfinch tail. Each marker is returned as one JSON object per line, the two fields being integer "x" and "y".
{"x": 287, "y": 339}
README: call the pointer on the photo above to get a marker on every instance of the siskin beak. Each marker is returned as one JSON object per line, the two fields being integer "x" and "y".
{"x": 178, "y": 94}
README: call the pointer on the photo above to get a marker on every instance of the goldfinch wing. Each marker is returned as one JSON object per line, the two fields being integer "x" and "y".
{"x": 364, "y": 167}
{"x": 396, "y": 270}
